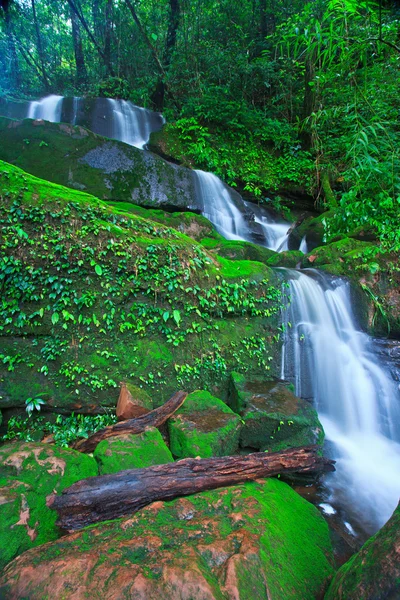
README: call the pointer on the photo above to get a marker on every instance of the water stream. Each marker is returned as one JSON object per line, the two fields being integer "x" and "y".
{"x": 331, "y": 361}
{"x": 236, "y": 219}
{"x": 117, "y": 119}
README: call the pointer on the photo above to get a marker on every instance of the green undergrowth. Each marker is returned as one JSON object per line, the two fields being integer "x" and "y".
{"x": 262, "y": 159}
{"x": 93, "y": 295}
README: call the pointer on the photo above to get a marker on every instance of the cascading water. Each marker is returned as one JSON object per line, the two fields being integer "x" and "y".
{"x": 131, "y": 123}
{"x": 48, "y": 109}
{"x": 219, "y": 208}
{"x": 116, "y": 119}
{"x": 329, "y": 360}
{"x": 236, "y": 219}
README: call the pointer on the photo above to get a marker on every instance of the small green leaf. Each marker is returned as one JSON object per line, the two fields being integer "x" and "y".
{"x": 55, "y": 318}
{"x": 177, "y": 317}
{"x": 98, "y": 270}
{"x": 154, "y": 36}
{"x": 166, "y": 316}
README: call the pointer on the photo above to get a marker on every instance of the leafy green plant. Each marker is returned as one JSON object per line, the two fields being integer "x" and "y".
{"x": 32, "y": 404}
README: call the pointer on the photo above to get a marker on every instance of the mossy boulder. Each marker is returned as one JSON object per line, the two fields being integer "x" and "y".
{"x": 133, "y": 401}
{"x": 99, "y": 295}
{"x": 253, "y": 541}
{"x": 204, "y": 426}
{"x": 132, "y": 452}
{"x": 111, "y": 170}
{"x": 374, "y": 572}
{"x": 29, "y": 473}
{"x": 289, "y": 259}
{"x": 273, "y": 417}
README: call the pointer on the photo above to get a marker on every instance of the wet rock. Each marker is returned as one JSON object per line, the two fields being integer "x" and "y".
{"x": 132, "y": 402}
{"x": 204, "y": 426}
{"x": 29, "y": 472}
{"x": 246, "y": 542}
{"x": 132, "y": 452}
{"x": 273, "y": 417}
{"x": 374, "y": 572}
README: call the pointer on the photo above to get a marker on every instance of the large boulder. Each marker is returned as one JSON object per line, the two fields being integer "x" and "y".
{"x": 111, "y": 170}
{"x": 374, "y": 572}
{"x": 132, "y": 452}
{"x": 204, "y": 426}
{"x": 273, "y": 417}
{"x": 254, "y": 541}
{"x": 30, "y": 472}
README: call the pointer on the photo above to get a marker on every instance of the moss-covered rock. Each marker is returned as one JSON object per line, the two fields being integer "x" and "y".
{"x": 111, "y": 170}
{"x": 374, "y": 572}
{"x": 246, "y": 542}
{"x": 289, "y": 259}
{"x": 132, "y": 452}
{"x": 30, "y": 472}
{"x": 204, "y": 426}
{"x": 98, "y": 295}
{"x": 273, "y": 417}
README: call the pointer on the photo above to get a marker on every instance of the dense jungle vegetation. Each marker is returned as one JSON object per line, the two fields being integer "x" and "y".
{"x": 259, "y": 92}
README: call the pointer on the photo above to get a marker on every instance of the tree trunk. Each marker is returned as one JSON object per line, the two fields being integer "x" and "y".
{"x": 85, "y": 26}
{"x": 40, "y": 48}
{"x": 155, "y": 418}
{"x": 81, "y": 73}
{"x": 107, "y": 32}
{"x": 121, "y": 494}
{"x": 13, "y": 72}
{"x": 173, "y": 24}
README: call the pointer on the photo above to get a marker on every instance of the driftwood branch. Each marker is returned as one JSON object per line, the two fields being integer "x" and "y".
{"x": 155, "y": 418}
{"x": 121, "y": 494}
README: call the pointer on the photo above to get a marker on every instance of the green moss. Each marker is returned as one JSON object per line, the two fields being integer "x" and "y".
{"x": 204, "y": 426}
{"x": 279, "y": 542}
{"x": 132, "y": 452}
{"x": 374, "y": 571}
{"x": 288, "y": 259}
{"x": 30, "y": 473}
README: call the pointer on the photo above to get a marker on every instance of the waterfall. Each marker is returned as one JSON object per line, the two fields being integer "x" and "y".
{"x": 117, "y": 119}
{"x": 131, "y": 124}
{"x": 236, "y": 219}
{"x": 330, "y": 360}
{"x": 48, "y": 109}
{"x": 219, "y": 208}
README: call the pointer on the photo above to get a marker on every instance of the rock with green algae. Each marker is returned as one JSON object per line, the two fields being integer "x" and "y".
{"x": 142, "y": 291}
{"x": 132, "y": 452}
{"x": 374, "y": 572}
{"x": 289, "y": 259}
{"x": 273, "y": 417}
{"x": 133, "y": 401}
{"x": 111, "y": 170}
{"x": 29, "y": 472}
{"x": 247, "y": 542}
{"x": 204, "y": 426}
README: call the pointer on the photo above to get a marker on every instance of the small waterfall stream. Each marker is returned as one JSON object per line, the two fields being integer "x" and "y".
{"x": 236, "y": 219}
{"x": 330, "y": 360}
{"x": 117, "y": 119}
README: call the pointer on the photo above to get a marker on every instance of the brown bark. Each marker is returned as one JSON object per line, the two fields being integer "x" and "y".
{"x": 81, "y": 73}
{"x": 155, "y": 418}
{"x": 121, "y": 494}
{"x": 85, "y": 26}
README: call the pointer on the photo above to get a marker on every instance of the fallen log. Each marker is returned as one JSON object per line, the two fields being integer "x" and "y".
{"x": 120, "y": 494}
{"x": 154, "y": 418}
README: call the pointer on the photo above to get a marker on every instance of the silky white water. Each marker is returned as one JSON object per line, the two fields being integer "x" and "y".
{"x": 48, "y": 109}
{"x": 329, "y": 360}
{"x": 234, "y": 218}
{"x": 131, "y": 123}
